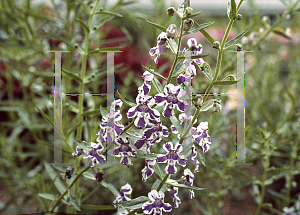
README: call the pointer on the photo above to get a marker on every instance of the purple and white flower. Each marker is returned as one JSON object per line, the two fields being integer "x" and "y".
{"x": 194, "y": 50}
{"x": 79, "y": 151}
{"x": 145, "y": 141}
{"x": 174, "y": 193}
{"x": 147, "y": 171}
{"x": 189, "y": 180}
{"x": 143, "y": 111}
{"x": 124, "y": 150}
{"x": 172, "y": 157}
{"x": 201, "y": 136}
{"x": 161, "y": 47}
{"x": 157, "y": 129}
{"x": 157, "y": 205}
{"x": 194, "y": 159}
{"x": 171, "y": 100}
{"x": 184, "y": 122}
{"x": 94, "y": 155}
{"x": 146, "y": 87}
{"x": 123, "y": 195}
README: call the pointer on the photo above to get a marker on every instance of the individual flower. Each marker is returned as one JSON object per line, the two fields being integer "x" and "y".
{"x": 194, "y": 50}
{"x": 157, "y": 129}
{"x": 147, "y": 171}
{"x": 79, "y": 151}
{"x": 123, "y": 195}
{"x": 94, "y": 154}
{"x": 124, "y": 150}
{"x": 185, "y": 121}
{"x": 194, "y": 159}
{"x": 201, "y": 136}
{"x": 161, "y": 47}
{"x": 170, "y": 100}
{"x": 172, "y": 157}
{"x": 113, "y": 116}
{"x": 157, "y": 205}
{"x": 143, "y": 111}
{"x": 171, "y": 31}
{"x": 174, "y": 193}
{"x": 188, "y": 180}
{"x": 146, "y": 141}
{"x": 146, "y": 87}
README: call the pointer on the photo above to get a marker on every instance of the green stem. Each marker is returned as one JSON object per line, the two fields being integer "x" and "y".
{"x": 177, "y": 53}
{"x": 162, "y": 182}
{"x": 69, "y": 187}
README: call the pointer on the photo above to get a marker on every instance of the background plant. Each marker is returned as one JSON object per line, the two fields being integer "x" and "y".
{"x": 273, "y": 108}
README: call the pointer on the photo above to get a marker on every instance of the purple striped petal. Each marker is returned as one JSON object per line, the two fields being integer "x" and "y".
{"x": 162, "y": 158}
{"x": 132, "y": 112}
{"x": 168, "y": 111}
{"x": 160, "y": 98}
{"x": 171, "y": 169}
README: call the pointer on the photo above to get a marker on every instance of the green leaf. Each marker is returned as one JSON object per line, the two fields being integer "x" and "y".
{"x": 109, "y": 13}
{"x": 284, "y": 2}
{"x": 96, "y": 50}
{"x": 179, "y": 68}
{"x": 51, "y": 145}
{"x": 83, "y": 5}
{"x": 233, "y": 9}
{"x": 111, "y": 187}
{"x": 74, "y": 128}
{"x": 57, "y": 182}
{"x": 46, "y": 117}
{"x": 186, "y": 3}
{"x": 74, "y": 201}
{"x": 154, "y": 73}
{"x": 163, "y": 29}
{"x": 225, "y": 82}
{"x": 47, "y": 196}
{"x": 130, "y": 104}
{"x": 157, "y": 85}
{"x": 90, "y": 112}
{"x": 74, "y": 76}
{"x": 199, "y": 27}
{"x": 173, "y": 44}
{"x": 209, "y": 104}
{"x": 146, "y": 156}
{"x": 282, "y": 34}
{"x": 97, "y": 207}
{"x": 135, "y": 203}
{"x": 205, "y": 34}
{"x": 234, "y": 40}
{"x": 194, "y": 56}
{"x": 83, "y": 145}
{"x": 102, "y": 22}
{"x": 60, "y": 167}
{"x": 176, "y": 123}
{"x": 200, "y": 153}
{"x": 61, "y": 39}
{"x": 83, "y": 25}
{"x": 187, "y": 186}
{"x": 103, "y": 111}
{"x": 195, "y": 14}
{"x": 229, "y": 12}
{"x": 155, "y": 184}
{"x": 205, "y": 71}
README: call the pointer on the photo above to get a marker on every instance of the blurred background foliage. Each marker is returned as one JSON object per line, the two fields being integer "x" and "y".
{"x": 272, "y": 116}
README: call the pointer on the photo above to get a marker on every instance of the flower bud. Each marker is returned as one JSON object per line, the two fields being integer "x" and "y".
{"x": 171, "y": 31}
{"x": 265, "y": 19}
{"x": 68, "y": 173}
{"x": 239, "y": 16}
{"x": 197, "y": 101}
{"x": 188, "y": 11}
{"x": 76, "y": 45}
{"x": 171, "y": 11}
{"x": 187, "y": 24}
{"x": 216, "y": 107}
{"x": 216, "y": 45}
{"x": 239, "y": 47}
{"x": 203, "y": 66}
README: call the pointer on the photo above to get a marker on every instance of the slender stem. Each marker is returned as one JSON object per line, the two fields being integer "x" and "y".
{"x": 177, "y": 53}
{"x": 157, "y": 167}
{"x": 162, "y": 182}
{"x": 190, "y": 125}
{"x": 69, "y": 187}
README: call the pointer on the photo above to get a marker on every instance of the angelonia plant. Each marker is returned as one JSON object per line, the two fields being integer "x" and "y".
{"x": 172, "y": 103}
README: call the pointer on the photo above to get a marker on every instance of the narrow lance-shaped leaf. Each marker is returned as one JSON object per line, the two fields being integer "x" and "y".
{"x": 109, "y": 13}
{"x": 234, "y": 40}
{"x": 154, "y": 73}
{"x": 195, "y": 56}
{"x": 163, "y": 29}
{"x": 72, "y": 75}
{"x": 280, "y": 33}
{"x": 225, "y": 82}
{"x": 173, "y": 45}
{"x": 128, "y": 103}
{"x": 74, "y": 201}
{"x": 83, "y": 145}
{"x": 135, "y": 203}
{"x": 83, "y": 25}
{"x": 199, "y": 27}
{"x": 200, "y": 153}
{"x": 179, "y": 68}
{"x": 205, "y": 34}
{"x": 47, "y": 196}
{"x": 157, "y": 85}
{"x": 46, "y": 117}
{"x": 97, "y": 50}
{"x": 97, "y": 207}
{"x": 103, "y": 111}
{"x": 176, "y": 123}
{"x": 205, "y": 71}
{"x": 51, "y": 145}
{"x": 195, "y": 14}
{"x": 57, "y": 182}
{"x": 61, "y": 39}
{"x": 187, "y": 186}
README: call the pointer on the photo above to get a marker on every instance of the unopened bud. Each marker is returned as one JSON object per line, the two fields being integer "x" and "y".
{"x": 239, "y": 17}
{"x": 188, "y": 11}
{"x": 197, "y": 101}
{"x": 187, "y": 24}
{"x": 203, "y": 66}
{"x": 216, "y": 107}
{"x": 239, "y": 47}
{"x": 171, "y": 11}
{"x": 171, "y": 31}
{"x": 216, "y": 45}
{"x": 76, "y": 46}
{"x": 265, "y": 19}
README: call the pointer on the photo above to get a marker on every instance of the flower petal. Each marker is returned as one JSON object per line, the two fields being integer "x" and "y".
{"x": 132, "y": 112}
